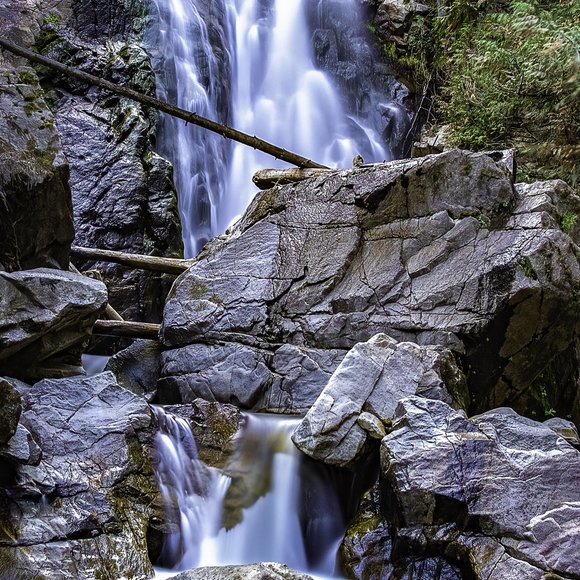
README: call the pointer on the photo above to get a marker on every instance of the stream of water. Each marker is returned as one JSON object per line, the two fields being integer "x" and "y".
{"x": 259, "y": 508}
{"x": 248, "y": 63}
{"x": 252, "y": 64}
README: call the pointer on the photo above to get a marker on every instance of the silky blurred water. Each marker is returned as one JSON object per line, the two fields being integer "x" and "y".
{"x": 270, "y": 528}
{"x": 262, "y": 50}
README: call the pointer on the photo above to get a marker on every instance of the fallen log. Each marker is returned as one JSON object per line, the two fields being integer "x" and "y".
{"x": 267, "y": 178}
{"x": 188, "y": 116}
{"x": 126, "y": 329}
{"x": 138, "y": 261}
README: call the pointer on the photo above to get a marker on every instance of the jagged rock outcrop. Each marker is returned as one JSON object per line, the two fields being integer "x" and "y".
{"x": 495, "y": 494}
{"x": 440, "y": 250}
{"x": 361, "y": 396}
{"x": 45, "y": 318}
{"x": 82, "y": 511}
{"x": 35, "y": 199}
{"x": 122, "y": 193}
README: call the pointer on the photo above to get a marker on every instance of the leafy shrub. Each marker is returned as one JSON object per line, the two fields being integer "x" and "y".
{"x": 512, "y": 80}
{"x": 504, "y": 73}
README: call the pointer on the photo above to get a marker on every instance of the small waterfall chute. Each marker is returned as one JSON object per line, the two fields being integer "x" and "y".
{"x": 262, "y": 519}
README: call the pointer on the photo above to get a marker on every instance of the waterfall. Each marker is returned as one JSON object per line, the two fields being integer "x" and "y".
{"x": 270, "y": 520}
{"x": 191, "y": 63}
{"x": 249, "y": 63}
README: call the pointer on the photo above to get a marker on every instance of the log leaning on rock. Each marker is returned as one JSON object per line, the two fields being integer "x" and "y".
{"x": 188, "y": 116}
{"x": 267, "y": 178}
{"x": 172, "y": 266}
{"x": 126, "y": 329}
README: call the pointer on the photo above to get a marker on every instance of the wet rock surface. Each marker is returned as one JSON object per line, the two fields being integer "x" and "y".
{"x": 367, "y": 385}
{"x": 260, "y": 571}
{"x": 82, "y": 510}
{"x": 45, "y": 317}
{"x": 441, "y": 250}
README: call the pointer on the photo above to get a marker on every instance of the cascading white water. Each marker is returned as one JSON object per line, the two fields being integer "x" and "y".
{"x": 280, "y": 96}
{"x": 270, "y": 529}
{"x": 192, "y": 492}
{"x": 263, "y": 49}
{"x": 189, "y": 72}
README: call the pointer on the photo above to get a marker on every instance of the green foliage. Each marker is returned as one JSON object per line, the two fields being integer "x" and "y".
{"x": 53, "y": 19}
{"x": 568, "y": 222}
{"x": 527, "y": 268}
{"x": 512, "y": 80}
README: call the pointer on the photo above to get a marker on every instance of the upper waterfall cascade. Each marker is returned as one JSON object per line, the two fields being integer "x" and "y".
{"x": 251, "y": 64}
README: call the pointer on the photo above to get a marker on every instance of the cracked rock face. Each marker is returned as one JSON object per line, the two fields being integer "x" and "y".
{"x": 45, "y": 317}
{"x": 35, "y": 199}
{"x": 122, "y": 192}
{"x": 288, "y": 380}
{"x": 369, "y": 382}
{"x": 439, "y": 250}
{"x": 502, "y": 486}
{"x": 82, "y": 510}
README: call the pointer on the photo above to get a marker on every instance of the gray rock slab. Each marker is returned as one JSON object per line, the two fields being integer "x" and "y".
{"x": 509, "y": 478}
{"x": 371, "y": 380}
{"x": 287, "y": 380}
{"x": 230, "y": 373}
{"x": 44, "y": 313}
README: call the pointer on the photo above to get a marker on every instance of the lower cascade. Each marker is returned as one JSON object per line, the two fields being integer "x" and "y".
{"x": 265, "y": 505}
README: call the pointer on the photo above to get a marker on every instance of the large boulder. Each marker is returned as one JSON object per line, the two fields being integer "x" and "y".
{"x": 83, "y": 510}
{"x": 440, "y": 250}
{"x": 361, "y": 396}
{"x": 45, "y": 317}
{"x": 288, "y": 380}
{"x": 493, "y": 487}
{"x": 35, "y": 199}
